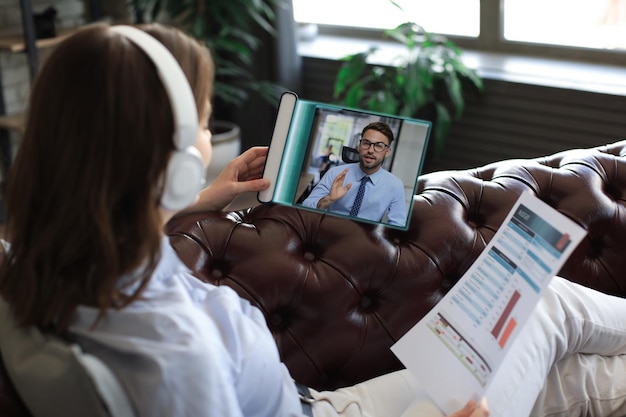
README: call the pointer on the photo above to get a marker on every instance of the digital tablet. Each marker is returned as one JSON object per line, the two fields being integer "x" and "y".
{"x": 345, "y": 162}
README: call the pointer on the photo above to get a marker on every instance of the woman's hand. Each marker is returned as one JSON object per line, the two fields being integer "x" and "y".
{"x": 242, "y": 174}
{"x": 472, "y": 409}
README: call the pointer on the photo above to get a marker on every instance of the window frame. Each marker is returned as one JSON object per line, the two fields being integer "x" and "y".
{"x": 491, "y": 39}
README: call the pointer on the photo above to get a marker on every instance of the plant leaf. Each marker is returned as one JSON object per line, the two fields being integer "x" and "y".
{"x": 441, "y": 128}
{"x": 354, "y": 95}
{"x": 397, "y": 5}
{"x": 455, "y": 93}
{"x": 415, "y": 89}
{"x": 429, "y": 74}
{"x": 229, "y": 28}
{"x": 230, "y": 93}
{"x": 270, "y": 92}
{"x": 352, "y": 69}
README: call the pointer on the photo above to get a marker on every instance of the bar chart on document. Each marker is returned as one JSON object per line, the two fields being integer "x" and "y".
{"x": 499, "y": 290}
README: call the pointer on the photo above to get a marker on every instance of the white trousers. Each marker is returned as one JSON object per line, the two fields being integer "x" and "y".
{"x": 569, "y": 360}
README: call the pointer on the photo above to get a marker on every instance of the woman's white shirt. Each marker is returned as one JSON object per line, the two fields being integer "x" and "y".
{"x": 187, "y": 348}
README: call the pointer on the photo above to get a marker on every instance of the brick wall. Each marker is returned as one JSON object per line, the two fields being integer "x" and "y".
{"x": 14, "y": 66}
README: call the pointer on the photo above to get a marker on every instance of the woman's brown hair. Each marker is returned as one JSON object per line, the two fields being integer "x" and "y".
{"x": 83, "y": 191}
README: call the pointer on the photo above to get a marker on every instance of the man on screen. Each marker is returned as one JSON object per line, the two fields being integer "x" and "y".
{"x": 376, "y": 192}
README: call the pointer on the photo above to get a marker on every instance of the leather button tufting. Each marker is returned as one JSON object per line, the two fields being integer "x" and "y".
{"x": 596, "y": 247}
{"x": 365, "y": 302}
{"x": 217, "y": 273}
{"x": 476, "y": 220}
{"x": 276, "y": 319}
{"x": 309, "y": 256}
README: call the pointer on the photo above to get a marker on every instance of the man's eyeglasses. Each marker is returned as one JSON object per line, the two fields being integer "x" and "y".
{"x": 378, "y": 146}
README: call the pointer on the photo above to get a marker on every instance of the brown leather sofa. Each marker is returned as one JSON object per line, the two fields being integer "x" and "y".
{"x": 337, "y": 294}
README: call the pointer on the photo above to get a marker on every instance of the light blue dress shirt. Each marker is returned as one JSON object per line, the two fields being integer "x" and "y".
{"x": 187, "y": 348}
{"x": 384, "y": 194}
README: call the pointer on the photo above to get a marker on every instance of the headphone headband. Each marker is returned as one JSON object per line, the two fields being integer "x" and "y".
{"x": 175, "y": 82}
{"x": 184, "y": 175}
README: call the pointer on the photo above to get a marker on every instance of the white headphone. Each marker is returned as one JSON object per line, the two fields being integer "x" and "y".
{"x": 185, "y": 171}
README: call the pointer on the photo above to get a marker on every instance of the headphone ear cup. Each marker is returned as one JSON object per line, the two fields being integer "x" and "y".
{"x": 184, "y": 178}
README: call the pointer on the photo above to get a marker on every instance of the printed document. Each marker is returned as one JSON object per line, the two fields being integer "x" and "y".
{"x": 457, "y": 347}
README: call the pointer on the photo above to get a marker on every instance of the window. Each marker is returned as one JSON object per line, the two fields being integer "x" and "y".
{"x": 588, "y": 30}
{"x": 597, "y": 24}
{"x": 382, "y": 14}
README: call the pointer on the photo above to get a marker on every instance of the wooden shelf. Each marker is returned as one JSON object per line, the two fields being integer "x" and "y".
{"x": 15, "y": 43}
{"x": 14, "y": 122}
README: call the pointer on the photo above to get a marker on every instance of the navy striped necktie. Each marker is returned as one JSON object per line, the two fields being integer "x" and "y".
{"x": 359, "y": 196}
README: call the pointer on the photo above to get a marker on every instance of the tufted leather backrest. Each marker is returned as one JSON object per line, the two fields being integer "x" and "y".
{"x": 337, "y": 294}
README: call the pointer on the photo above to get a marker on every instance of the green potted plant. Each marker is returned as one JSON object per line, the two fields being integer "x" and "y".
{"x": 234, "y": 31}
{"x": 428, "y": 81}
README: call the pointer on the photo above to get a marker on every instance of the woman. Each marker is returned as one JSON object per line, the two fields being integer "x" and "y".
{"x": 87, "y": 200}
